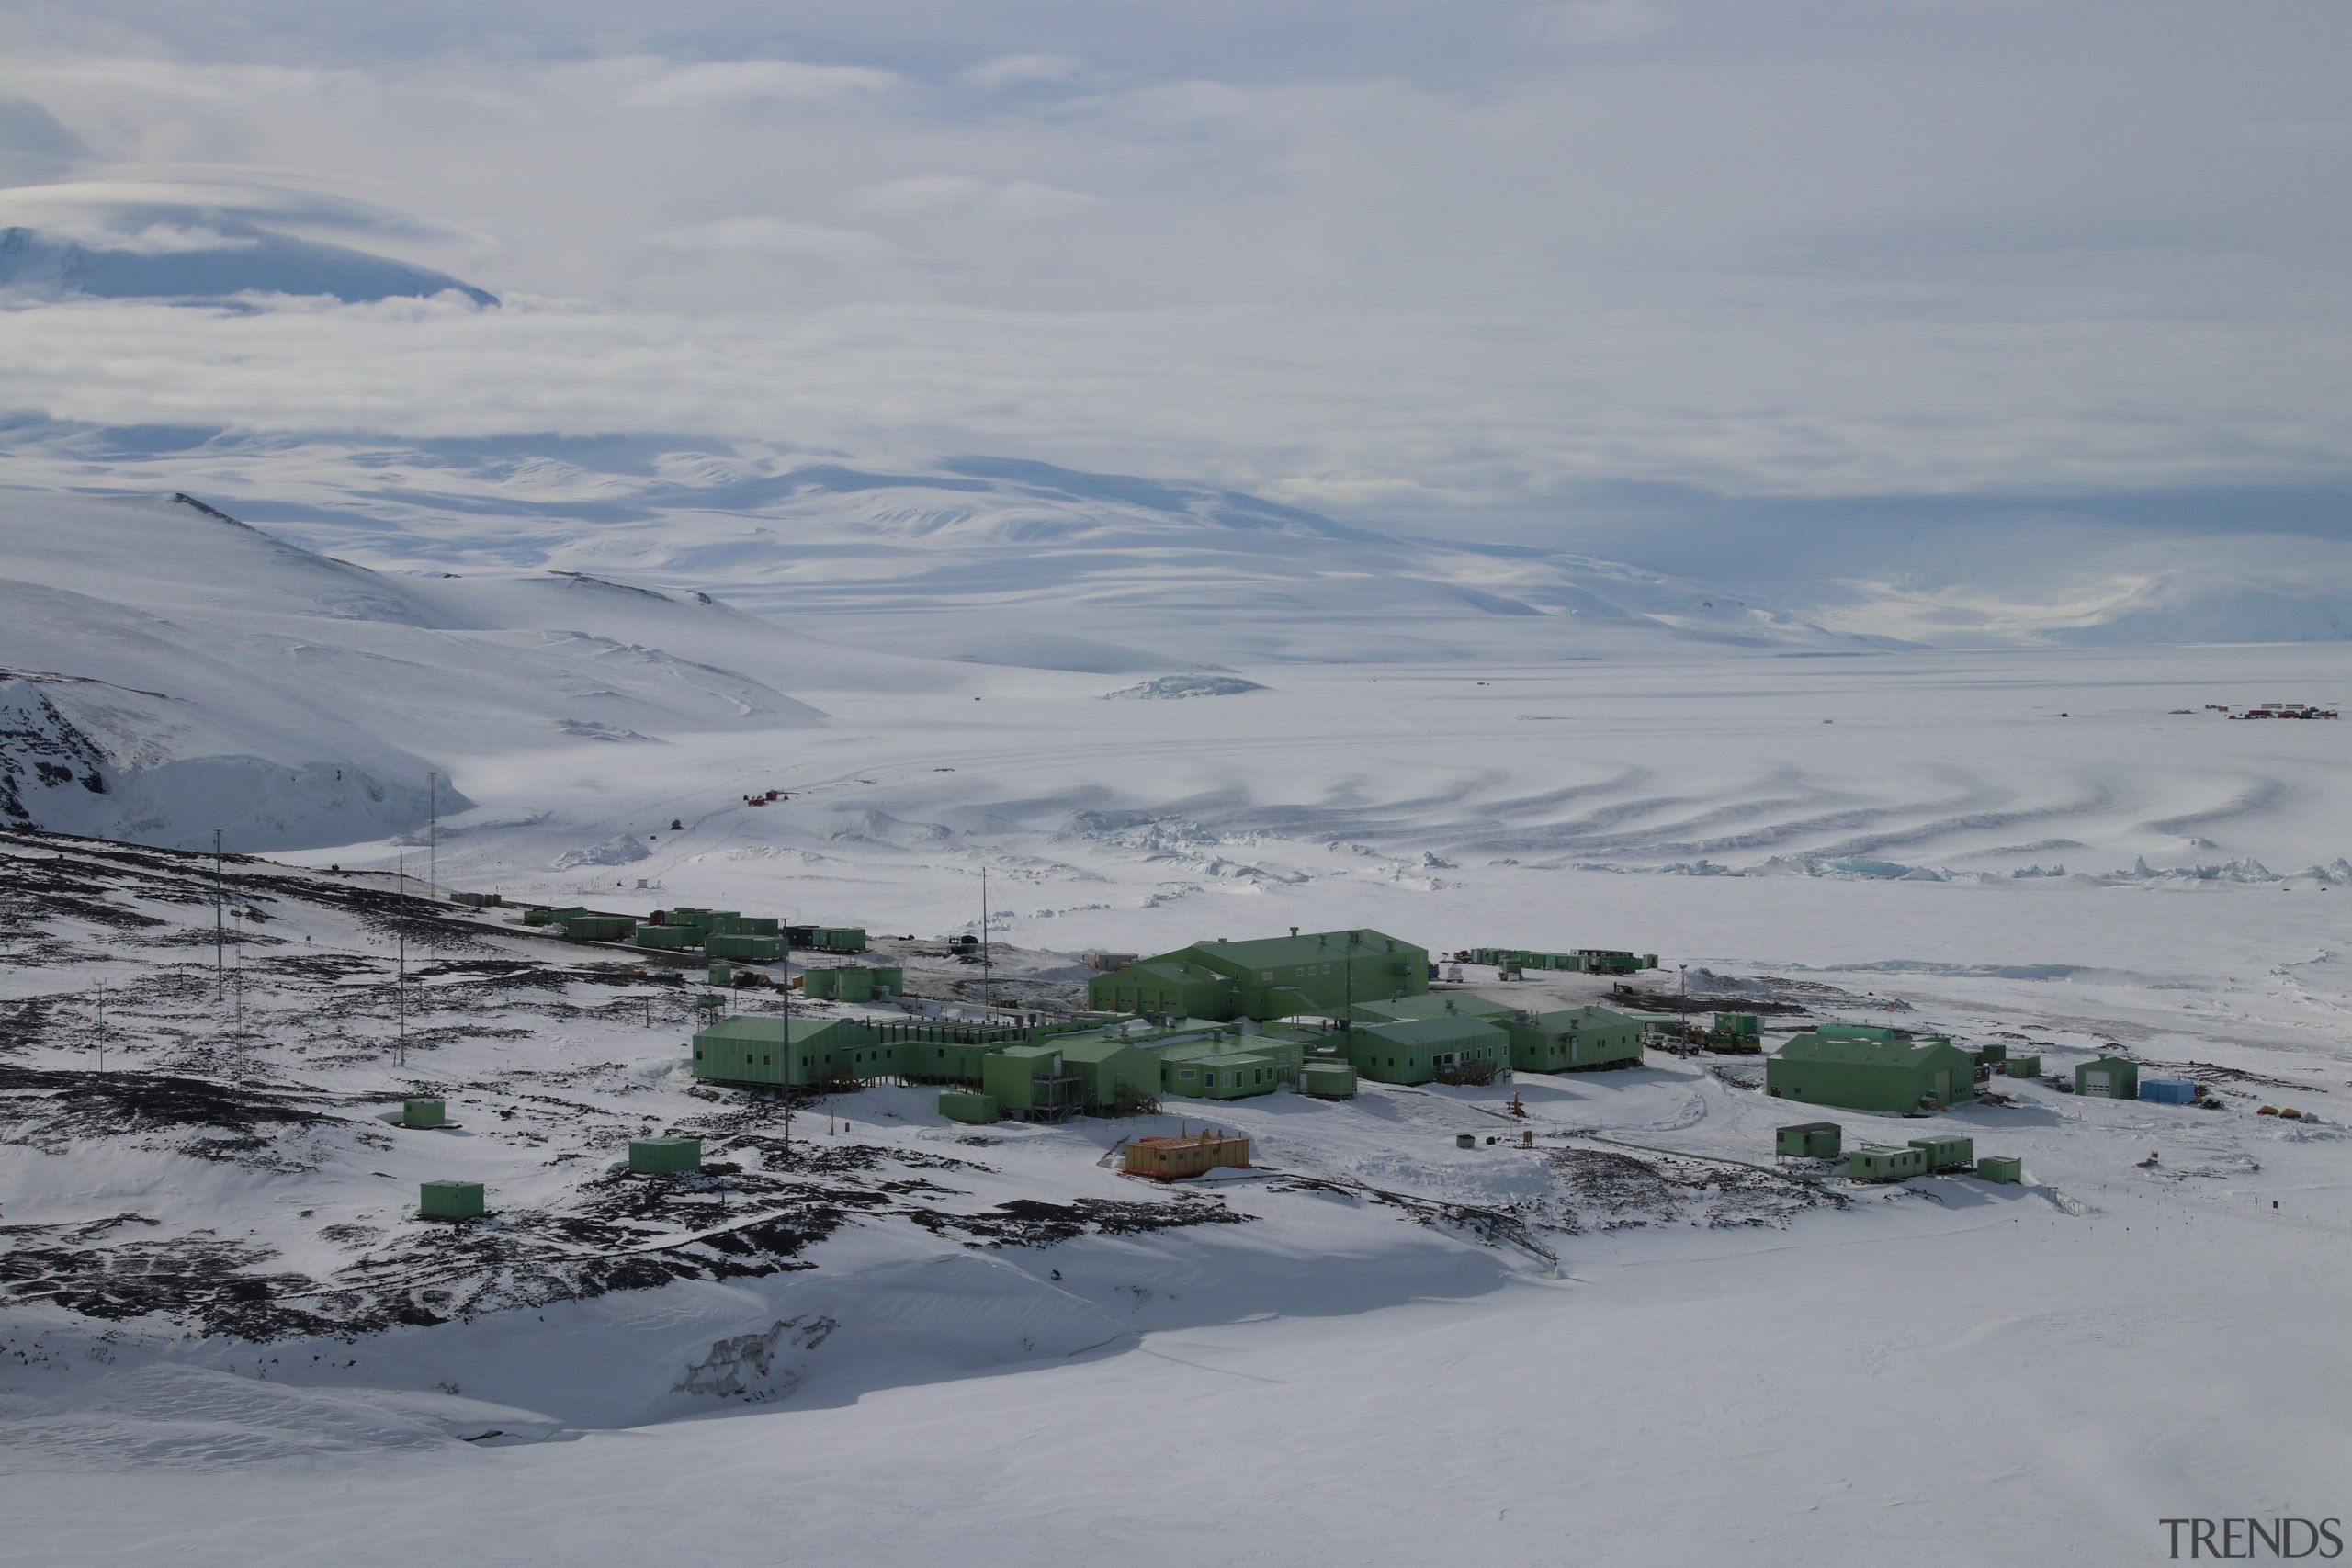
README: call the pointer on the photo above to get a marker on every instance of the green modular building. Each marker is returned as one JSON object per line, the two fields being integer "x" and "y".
{"x": 2023, "y": 1067}
{"x": 1218, "y": 1075}
{"x": 1031, "y": 1083}
{"x": 668, "y": 939}
{"x": 1876, "y": 1162}
{"x": 1436, "y": 1004}
{"x": 1947, "y": 1151}
{"x": 1809, "y": 1140}
{"x": 1417, "y": 1051}
{"x": 1582, "y": 961}
{"x": 754, "y": 1049}
{"x": 449, "y": 1199}
{"x": 664, "y": 1157}
{"x": 1114, "y": 1076}
{"x": 826, "y": 938}
{"x": 854, "y": 982}
{"x": 1993, "y": 1056}
{"x": 2109, "y": 1077}
{"x": 2006, "y": 1169}
{"x": 1575, "y": 1040}
{"x": 1316, "y": 976}
{"x": 1869, "y": 1073}
{"x": 424, "y": 1113}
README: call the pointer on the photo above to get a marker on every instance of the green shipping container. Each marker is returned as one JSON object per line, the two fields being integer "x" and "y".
{"x": 449, "y": 1199}
{"x": 2007, "y": 1169}
{"x": 2022, "y": 1066}
{"x": 664, "y": 1157}
{"x": 424, "y": 1113}
{"x": 969, "y": 1107}
{"x": 759, "y": 925}
{"x": 668, "y": 939}
{"x": 1993, "y": 1056}
{"x": 745, "y": 949}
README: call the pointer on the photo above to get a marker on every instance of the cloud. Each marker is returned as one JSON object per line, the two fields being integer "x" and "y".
{"x": 1024, "y": 70}
{"x": 915, "y": 195}
{"x": 922, "y": 193}
{"x": 724, "y": 83}
{"x": 774, "y": 236}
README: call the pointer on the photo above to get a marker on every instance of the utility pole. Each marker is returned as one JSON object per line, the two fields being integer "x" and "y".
{"x": 988, "y": 992}
{"x": 219, "y": 932}
{"x": 399, "y": 929}
{"x": 102, "y": 1031}
{"x": 433, "y": 835}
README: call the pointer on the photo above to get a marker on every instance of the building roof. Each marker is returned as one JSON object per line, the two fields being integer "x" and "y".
{"x": 1436, "y": 1004}
{"x": 767, "y": 1027}
{"x": 1295, "y": 951}
{"x": 1435, "y": 1031}
{"x": 1866, "y": 1052}
{"x": 1582, "y": 1018}
{"x": 1092, "y": 1047}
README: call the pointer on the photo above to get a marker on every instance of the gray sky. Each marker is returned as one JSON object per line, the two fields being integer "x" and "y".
{"x": 1450, "y": 265}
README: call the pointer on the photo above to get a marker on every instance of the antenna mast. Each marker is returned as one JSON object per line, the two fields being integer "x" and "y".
{"x": 220, "y": 936}
{"x": 988, "y": 992}
{"x": 433, "y": 835}
{"x": 399, "y": 929}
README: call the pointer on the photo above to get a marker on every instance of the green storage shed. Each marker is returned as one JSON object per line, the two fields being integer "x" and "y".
{"x": 449, "y": 1201}
{"x": 743, "y": 948}
{"x": 2027, "y": 1067}
{"x": 664, "y": 1157}
{"x": 1867, "y": 1072}
{"x": 2109, "y": 1077}
{"x": 1328, "y": 1080}
{"x": 2006, "y": 1169}
{"x": 667, "y": 938}
{"x": 424, "y": 1113}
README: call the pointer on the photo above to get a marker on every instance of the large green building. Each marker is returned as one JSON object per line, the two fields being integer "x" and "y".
{"x": 1231, "y": 1066}
{"x": 1316, "y": 976}
{"x": 1418, "y": 1050}
{"x": 1871, "y": 1073}
{"x": 754, "y": 1048}
{"x": 1575, "y": 1040}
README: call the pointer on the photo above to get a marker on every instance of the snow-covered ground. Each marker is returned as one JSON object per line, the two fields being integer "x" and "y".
{"x": 893, "y": 1343}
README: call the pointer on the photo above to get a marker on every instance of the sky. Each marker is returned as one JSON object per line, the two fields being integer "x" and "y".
{"x": 1476, "y": 264}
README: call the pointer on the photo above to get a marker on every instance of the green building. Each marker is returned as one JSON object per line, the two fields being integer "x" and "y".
{"x": 1114, "y": 1076}
{"x": 1947, "y": 1151}
{"x": 1236, "y": 1074}
{"x": 1031, "y": 1083}
{"x": 968, "y": 1106}
{"x": 1416, "y": 1051}
{"x": 1876, "y": 1162}
{"x": 448, "y": 1199}
{"x": 2005, "y": 1169}
{"x": 664, "y": 1157}
{"x": 1576, "y": 1040}
{"x": 1809, "y": 1140}
{"x": 1328, "y": 1080}
{"x": 1316, "y": 976}
{"x": 1870, "y": 1072}
{"x": 2109, "y": 1077}
{"x": 754, "y": 1048}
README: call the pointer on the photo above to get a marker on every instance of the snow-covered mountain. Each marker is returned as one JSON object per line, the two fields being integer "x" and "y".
{"x": 227, "y": 259}
{"x": 166, "y": 670}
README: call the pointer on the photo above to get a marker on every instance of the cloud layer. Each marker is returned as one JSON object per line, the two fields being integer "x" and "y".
{"x": 1390, "y": 262}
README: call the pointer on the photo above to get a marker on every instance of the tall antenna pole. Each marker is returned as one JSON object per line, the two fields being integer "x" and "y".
{"x": 433, "y": 835}
{"x": 102, "y": 1031}
{"x": 787, "y": 1039}
{"x": 400, "y": 927}
{"x": 988, "y": 994}
{"x": 220, "y": 935}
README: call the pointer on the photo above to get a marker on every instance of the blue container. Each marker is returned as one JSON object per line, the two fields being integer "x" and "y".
{"x": 2172, "y": 1092}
